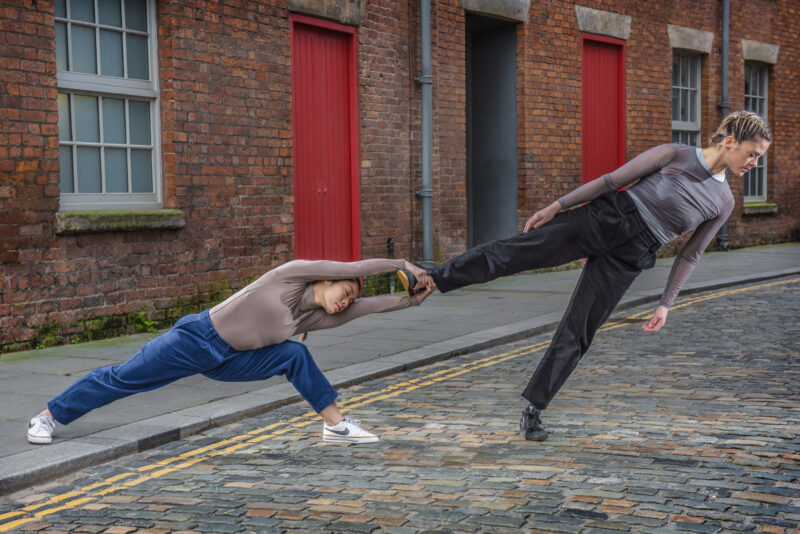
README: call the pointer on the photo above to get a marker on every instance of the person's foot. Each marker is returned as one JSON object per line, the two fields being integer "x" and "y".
{"x": 40, "y": 429}
{"x": 531, "y": 424}
{"x": 408, "y": 280}
{"x": 348, "y": 430}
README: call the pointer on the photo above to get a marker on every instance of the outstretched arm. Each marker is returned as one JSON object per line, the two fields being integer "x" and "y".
{"x": 684, "y": 264}
{"x": 315, "y": 270}
{"x": 368, "y": 305}
{"x": 642, "y": 165}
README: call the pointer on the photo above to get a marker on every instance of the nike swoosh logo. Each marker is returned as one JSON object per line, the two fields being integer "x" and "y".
{"x": 344, "y": 432}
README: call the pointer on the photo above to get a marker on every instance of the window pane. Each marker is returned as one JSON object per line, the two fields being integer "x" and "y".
{"x": 675, "y": 70}
{"x": 136, "y": 15}
{"x": 692, "y": 106}
{"x": 749, "y": 184}
{"x": 694, "y": 66}
{"x": 139, "y": 117}
{"x": 116, "y": 170}
{"x": 61, "y": 8}
{"x": 87, "y": 123}
{"x": 684, "y": 71}
{"x": 684, "y": 97}
{"x": 141, "y": 171}
{"x": 89, "y": 170}
{"x": 137, "y": 57}
{"x": 110, "y": 53}
{"x": 676, "y": 104}
{"x": 748, "y": 86}
{"x": 64, "y": 126}
{"x": 110, "y": 13}
{"x": 65, "y": 166}
{"x": 113, "y": 120}
{"x": 84, "y": 54}
{"x": 81, "y": 10}
{"x": 61, "y": 46}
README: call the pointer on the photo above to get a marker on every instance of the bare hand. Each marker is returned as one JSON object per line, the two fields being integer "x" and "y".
{"x": 659, "y": 319}
{"x": 424, "y": 294}
{"x": 421, "y": 276}
{"x": 542, "y": 216}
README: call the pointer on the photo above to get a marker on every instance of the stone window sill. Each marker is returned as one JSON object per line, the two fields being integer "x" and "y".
{"x": 760, "y": 208}
{"x": 91, "y": 222}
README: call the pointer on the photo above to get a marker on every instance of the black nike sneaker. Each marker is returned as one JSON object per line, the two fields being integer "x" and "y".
{"x": 531, "y": 424}
{"x": 408, "y": 280}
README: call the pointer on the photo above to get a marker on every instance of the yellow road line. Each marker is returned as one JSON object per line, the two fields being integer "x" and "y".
{"x": 241, "y": 441}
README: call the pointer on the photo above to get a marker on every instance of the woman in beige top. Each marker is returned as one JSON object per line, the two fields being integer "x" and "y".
{"x": 246, "y": 338}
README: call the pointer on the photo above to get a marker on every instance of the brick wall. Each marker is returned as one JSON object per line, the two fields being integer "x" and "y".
{"x": 226, "y": 142}
{"x": 549, "y": 101}
{"x": 386, "y": 92}
{"x": 28, "y": 167}
{"x": 772, "y": 22}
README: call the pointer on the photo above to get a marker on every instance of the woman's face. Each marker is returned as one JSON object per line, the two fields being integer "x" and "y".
{"x": 741, "y": 157}
{"x": 337, "y": 296}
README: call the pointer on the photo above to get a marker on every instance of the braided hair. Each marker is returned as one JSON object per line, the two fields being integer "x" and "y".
{"x": 743, "y": 126}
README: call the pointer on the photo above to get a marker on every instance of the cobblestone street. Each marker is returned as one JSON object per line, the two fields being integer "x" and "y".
{"x": 693, "y": 429}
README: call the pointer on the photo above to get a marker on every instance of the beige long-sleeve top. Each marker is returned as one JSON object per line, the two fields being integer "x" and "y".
{"x": 281, "y": 303}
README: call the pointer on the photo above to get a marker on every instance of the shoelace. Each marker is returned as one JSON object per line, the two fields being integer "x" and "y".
{"x": 46, "y": 422}
{"x": 352, "y": 420}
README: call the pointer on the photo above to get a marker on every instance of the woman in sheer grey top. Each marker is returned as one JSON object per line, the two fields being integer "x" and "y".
{"x": 671, "y": 190}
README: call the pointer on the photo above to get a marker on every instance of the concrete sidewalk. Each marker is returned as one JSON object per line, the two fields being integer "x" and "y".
{"x": 446, "y": 325}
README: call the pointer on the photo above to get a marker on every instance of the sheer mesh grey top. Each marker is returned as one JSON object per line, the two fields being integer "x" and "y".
{"x": 676, "y": 193}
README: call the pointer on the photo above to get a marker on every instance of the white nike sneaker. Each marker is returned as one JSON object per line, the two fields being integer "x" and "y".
{"x": 40, "y": 429}
{"x": 347, "y": 430}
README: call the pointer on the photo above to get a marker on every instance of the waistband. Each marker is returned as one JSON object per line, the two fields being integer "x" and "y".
{"x": 627, "y": 205}
{"x": 201, "y": 324}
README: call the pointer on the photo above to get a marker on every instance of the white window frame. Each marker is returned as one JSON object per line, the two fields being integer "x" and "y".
{"x": 99, "y": 85}
{"x": 759, "y": 173}
{"x": 690, "y": 127}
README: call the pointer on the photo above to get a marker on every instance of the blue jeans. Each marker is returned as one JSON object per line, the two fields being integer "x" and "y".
{"x": 191, "y": 347}
{"x": 609, "y": 232}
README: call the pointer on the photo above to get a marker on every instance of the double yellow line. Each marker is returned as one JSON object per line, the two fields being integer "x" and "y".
{"x": 122, "y": 481}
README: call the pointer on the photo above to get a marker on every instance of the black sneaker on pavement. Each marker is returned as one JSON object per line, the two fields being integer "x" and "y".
{"x": 531, "y": 424}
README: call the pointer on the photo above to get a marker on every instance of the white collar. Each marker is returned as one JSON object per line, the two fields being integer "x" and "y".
{"x": 718, "y": 177}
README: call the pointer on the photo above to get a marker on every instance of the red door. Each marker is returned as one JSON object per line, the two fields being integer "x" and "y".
{"x": 603, "y": 129}
{"x": 324, "y": 127}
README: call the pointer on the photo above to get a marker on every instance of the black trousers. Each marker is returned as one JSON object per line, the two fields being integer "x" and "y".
{"x": 609, "y": 232}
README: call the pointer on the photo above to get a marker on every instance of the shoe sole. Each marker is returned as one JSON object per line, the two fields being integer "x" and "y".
{"x": 530, "y": 436}
{"x": 349, "y": 439}
{"x": 39, "y": 439}
{"x": 401, "y": 274}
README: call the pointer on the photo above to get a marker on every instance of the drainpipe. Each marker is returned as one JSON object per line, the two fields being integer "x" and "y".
{"x": 426, "y": 80}
{"x": 724, "y": 105}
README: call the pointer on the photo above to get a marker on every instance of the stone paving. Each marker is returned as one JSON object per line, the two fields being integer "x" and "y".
{"x": 694, "y": 429}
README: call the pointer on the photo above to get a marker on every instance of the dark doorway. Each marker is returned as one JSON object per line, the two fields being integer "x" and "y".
{"x": 491, "y": 129}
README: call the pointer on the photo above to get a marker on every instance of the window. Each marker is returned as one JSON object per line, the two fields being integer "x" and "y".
{"x": 107, "y": 104}
{"x": 756, "y": 77}
{"x": 686, "y": 99}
